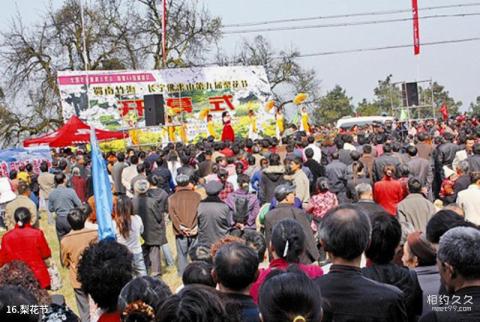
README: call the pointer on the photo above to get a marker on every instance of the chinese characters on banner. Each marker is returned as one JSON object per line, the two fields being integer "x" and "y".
{"x": 115, "y": 98}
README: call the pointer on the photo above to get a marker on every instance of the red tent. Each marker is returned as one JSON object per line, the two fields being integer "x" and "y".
{"x": 73, "y": 132}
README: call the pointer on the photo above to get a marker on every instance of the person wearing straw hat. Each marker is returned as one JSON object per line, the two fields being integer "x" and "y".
{"x": 22, "y": 200}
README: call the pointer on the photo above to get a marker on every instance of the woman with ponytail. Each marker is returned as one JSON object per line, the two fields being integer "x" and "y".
{"x": 356, "y": 175}
{"x": 388, "y": 192}
{"x": 287, "y": 244}
{"x": 290, "y": 297}
{"x": 128, "y": 229}
{"x": 28, "y": 245}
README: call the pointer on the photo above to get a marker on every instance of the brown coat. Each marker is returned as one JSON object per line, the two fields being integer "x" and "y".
{"x": 367, "y": 161}
{"x": 46, "y": 181}
{"x": 73, "y": 244}
{"x": 424, "y": 150}
{"x": 182, "y": 209}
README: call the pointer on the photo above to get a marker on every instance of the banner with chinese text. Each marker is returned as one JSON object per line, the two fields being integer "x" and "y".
{"x": 115, "y": 98}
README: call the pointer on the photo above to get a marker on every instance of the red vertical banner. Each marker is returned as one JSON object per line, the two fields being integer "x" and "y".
{"x": 164, "y": 31}
{"x": 416, "y": 28}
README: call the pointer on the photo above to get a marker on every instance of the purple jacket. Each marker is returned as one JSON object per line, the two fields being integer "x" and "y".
{"x": 253, "y": 206}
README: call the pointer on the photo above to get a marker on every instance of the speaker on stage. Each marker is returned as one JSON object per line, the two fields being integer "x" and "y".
{"x": 410, "y": 94}
{"x": 154, "y": 109}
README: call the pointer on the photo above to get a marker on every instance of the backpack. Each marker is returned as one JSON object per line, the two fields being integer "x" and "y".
{"x": 240, "y": 214}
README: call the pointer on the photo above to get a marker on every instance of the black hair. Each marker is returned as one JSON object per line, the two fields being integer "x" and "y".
{"x": 76, "y": 218}
{"x": 386, "y": 235}
{"x": 284, "y": 296}
{"x": 198, "y": 272}
{"x": 59, "y": 178}
{"x": 474, "y": 176}
{"x": 345, "y": 231}
{"x": 335, "y": 155}
{"x": 387, "y": 147}
{"x": 140, "y": 168}
{"x": 310, "y": 139}
{"x": 441, "y": 222}
{"x": 13, "y": 174}
{"x": 476, "y": 148}
{"x": 288, "y": 240}
{"x": 155, "y": 180}
{"x": 403, "y": 170}
{"x": 412, "y": 150}
{"x": 194, "y": 303}
{"x": 256, "y": 241}
{"x": 243, "y": 181}
{"x": 200, "y": 252}
{"x": 103, "y": 270}
{"x": 62, "y": 164}
{"x": 414, "y": 185}
{"x": 134, "y": 159}
{"x": 251, "y": 160}
{"x": 22, "y": 216}
{"x": 141, "y": 298}
{"x": 367, "y": 149}
{"x": 236, "y": 266}
{"x": 322, "y": 184}
{"x": 14, "y": 297}
{"x": 422, "y": 136}
{"x": 274, "y": 159}
{"x": 120, "y": 156}
{"x": 44, "y": 166}
{"x": 309, "y": 153}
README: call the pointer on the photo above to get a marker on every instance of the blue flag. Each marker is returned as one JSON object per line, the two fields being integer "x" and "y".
{"x": 102, "y": 191}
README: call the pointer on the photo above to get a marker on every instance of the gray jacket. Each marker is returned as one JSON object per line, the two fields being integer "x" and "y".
{"x": 422, "y": 170}
{"x": 336, "y": 172}
{"x": 214, "y": 218}
{"x": 117, "y": 177}
{"x": 416, "y": 210}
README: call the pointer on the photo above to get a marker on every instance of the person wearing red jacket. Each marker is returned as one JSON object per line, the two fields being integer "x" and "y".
{"x": 28, "y": 245}
{"x": 388, "y": 192}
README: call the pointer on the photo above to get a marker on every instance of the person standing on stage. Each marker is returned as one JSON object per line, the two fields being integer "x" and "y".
{"x": 227, "y": 133}
{"x": 304, "y": 126}
{"x": 280, "y": 120}
{"x": 252, "y": 127}
{"x": 171, "y": 130}
{"x": 211, "y": 127}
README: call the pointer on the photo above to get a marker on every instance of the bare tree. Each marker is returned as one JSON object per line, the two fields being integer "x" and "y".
{"x": 286, "y": 76}
{"x": 119, "y": 34}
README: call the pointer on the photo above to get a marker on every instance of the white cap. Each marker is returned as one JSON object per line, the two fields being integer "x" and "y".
{"x": 6, "y": 193}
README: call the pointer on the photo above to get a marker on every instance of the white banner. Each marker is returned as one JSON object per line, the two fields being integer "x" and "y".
{"x": 115, "y": 98}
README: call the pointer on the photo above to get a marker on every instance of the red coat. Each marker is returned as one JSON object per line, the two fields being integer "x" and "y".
{"x": 80, "y": 186}
{"x": 29, "y": 246}
{"x": 228, "y": 134}
{"x": 388, "y": 193}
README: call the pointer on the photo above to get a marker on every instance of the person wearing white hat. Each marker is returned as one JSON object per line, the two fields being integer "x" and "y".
{"x": 6, "y": 195}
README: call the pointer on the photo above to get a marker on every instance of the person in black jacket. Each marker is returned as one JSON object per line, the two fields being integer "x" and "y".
{"x": 386, "y": 235}
{"x": 153, "y": 221}
{"x": 348, "y": 295}
{"x": 316, "y": 168}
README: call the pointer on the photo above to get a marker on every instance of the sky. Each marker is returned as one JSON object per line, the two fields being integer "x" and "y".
{"x": 456, "y": 66}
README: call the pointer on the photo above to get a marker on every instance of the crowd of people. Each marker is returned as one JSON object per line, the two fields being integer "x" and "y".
{"x": 374, "y": 223}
